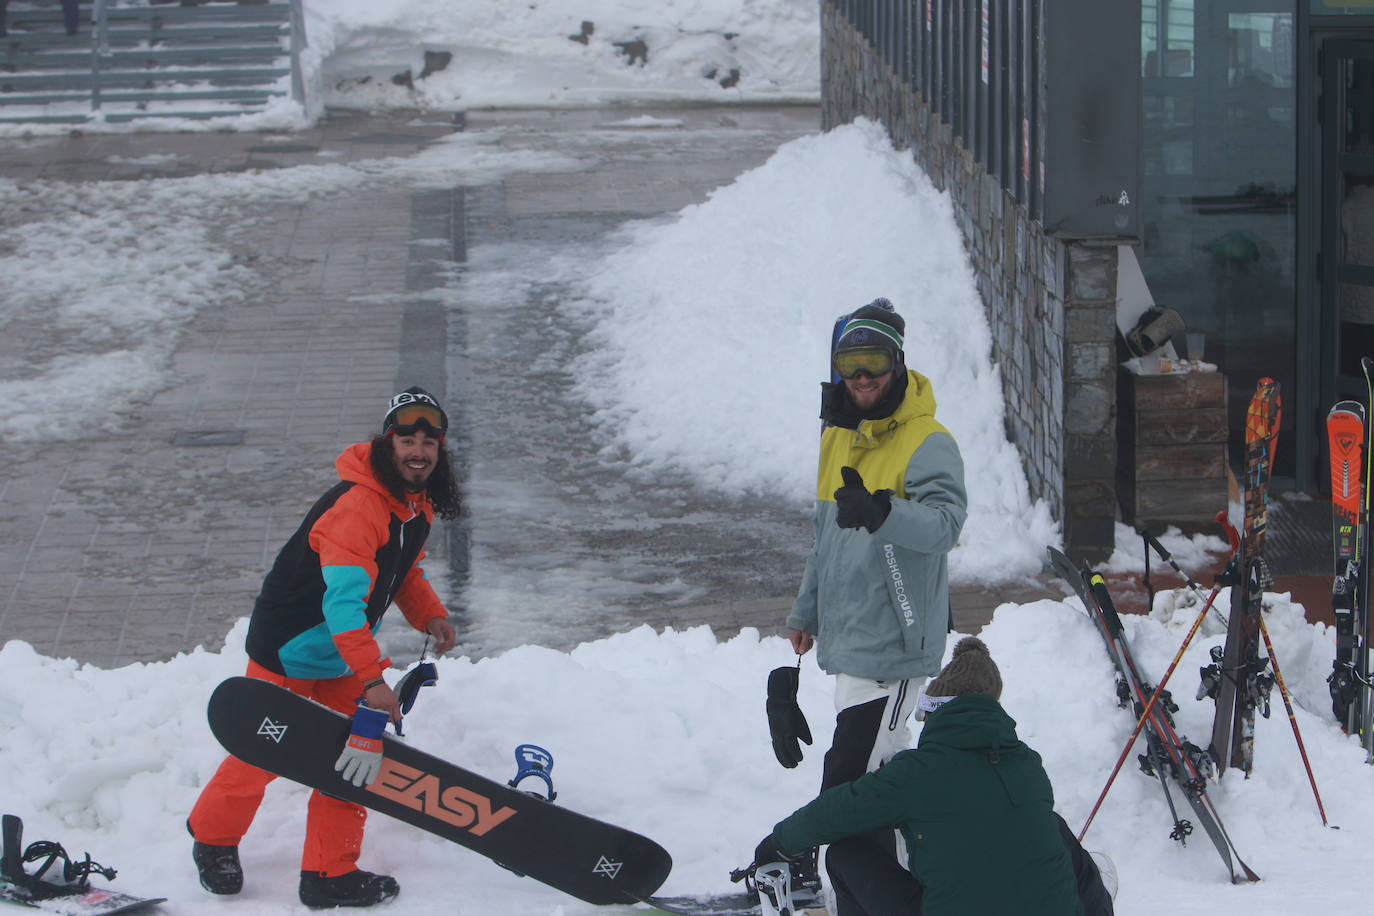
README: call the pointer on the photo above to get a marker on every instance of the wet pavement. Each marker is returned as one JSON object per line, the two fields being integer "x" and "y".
{"x": 141, "y": 543}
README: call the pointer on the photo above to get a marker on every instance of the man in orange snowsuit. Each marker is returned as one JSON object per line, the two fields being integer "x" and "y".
{"x": 313, "y": 631}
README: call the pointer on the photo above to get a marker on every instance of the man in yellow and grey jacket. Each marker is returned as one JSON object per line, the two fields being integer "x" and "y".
{"x": 890, "y": 503}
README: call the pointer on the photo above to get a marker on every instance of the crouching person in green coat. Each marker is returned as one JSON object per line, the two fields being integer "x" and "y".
{"x": 974, "y": 806}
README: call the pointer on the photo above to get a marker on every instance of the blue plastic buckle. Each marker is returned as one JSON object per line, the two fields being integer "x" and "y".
{"x": 533, "y": 760}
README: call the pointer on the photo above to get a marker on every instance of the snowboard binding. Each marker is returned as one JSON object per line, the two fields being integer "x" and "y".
{"x": 75, "y": 876}
{"x": 533, "y": 760}
{"x": 771, "y": 884}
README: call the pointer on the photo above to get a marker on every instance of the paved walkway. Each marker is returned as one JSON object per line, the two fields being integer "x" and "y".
{"x": 140, "y": 545}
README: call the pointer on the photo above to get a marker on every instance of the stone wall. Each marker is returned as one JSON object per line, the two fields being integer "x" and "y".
{"x": 1051, "y": 304}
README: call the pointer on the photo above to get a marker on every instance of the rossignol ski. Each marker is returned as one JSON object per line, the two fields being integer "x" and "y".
{"x": 1362, "y": 623}
{"x": 1345, "y": 433}
{"x": 1238, "y": 678}
{"x": 1169, "y": 757}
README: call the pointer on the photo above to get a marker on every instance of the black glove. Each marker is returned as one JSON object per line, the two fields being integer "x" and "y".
{"x": 858, "y": 508}
{"x": 768, "y": 852}
{"x": 786, "y": 724}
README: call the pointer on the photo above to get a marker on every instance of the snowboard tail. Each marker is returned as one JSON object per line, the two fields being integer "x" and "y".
{"x": 284, "y": 733}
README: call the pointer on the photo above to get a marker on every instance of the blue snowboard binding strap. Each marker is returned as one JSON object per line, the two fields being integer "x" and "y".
{"x": 533, "y": 760}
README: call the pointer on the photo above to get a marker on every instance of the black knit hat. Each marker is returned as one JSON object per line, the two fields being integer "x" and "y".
{"x": 874, "y": 325}
{"x": 414, "y": 406}
{"x": 971, "y": 670}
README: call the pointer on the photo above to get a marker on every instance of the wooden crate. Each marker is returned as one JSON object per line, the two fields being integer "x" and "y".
{"x": 1171, "y": 449}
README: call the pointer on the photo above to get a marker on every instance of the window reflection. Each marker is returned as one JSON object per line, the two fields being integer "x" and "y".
{"x": 1219, "y": 178}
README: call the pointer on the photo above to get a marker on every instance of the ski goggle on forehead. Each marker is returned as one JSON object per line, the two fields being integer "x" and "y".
{"x": 407, "y": 419}
{"x": 873, "y": 361}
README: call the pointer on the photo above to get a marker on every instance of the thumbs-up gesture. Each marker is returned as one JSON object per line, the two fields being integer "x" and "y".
{"x": 858, "y": 508}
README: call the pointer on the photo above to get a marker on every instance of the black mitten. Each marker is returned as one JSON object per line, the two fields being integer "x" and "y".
{"x": 786, "y": 723}
{"x": 856, "y": 507}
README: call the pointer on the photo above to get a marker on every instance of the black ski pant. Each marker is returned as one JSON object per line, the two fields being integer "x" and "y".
{"x": 868, "y": 881}
{"x": 856, "y": 733}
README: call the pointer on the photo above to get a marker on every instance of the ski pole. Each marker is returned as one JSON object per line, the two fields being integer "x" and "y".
{"x": 1167, "y": 557}
{"x": 1288, "y": 705}
{"x": 1145, "y": 713}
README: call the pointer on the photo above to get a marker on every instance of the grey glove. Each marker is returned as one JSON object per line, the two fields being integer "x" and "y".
{"x": 361, "y": 759}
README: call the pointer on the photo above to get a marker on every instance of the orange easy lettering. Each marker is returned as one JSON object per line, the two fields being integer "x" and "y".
{"x": 481, "y": 805}
{"x": 392, "y": 779}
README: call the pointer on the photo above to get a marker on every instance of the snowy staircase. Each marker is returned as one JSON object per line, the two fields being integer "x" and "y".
{"x": 192, "y": 59}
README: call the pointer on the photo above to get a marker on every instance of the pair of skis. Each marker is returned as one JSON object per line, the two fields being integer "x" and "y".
{"x": 1352, "y": 693}
{"x": 1168, "y": 757}
{"x": 1239, "y": 678}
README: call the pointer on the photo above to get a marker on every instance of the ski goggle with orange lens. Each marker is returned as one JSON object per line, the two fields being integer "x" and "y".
{"x": 873, "y": 361}
{"x": 407, "y": 419}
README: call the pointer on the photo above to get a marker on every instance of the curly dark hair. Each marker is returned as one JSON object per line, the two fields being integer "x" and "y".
{"x": 442, "y": 486}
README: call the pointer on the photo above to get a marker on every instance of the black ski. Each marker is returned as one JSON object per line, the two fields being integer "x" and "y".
{"x": 1169, "y": 757}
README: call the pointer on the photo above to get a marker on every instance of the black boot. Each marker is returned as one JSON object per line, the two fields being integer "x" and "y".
{"x": 220, "y": 872}
{"x": 806, "y": 876}
{"x": 356, "y": 888}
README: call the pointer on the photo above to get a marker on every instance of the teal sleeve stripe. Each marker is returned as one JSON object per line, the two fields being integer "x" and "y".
{"x": 345, "y": 597}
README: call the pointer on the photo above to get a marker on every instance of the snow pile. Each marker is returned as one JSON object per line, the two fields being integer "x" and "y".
{"x": 666, "y": 734}
{"x": 740, "y": 293}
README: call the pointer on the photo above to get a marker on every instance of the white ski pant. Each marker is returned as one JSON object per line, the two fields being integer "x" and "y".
{"x": 870, "y": 725}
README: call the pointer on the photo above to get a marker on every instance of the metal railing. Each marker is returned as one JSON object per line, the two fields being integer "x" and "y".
{"x": 1044, "y": 95}
{"x": 201, "y": 61}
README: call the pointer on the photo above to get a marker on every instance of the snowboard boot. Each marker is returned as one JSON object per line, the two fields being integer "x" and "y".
{"x": 806, "y": 877}
{"x": 355, "y": 888}
{"x": 220, "y": 872}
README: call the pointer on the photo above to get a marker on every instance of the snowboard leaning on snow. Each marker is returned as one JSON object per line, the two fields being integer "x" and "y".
{"x": 284, "y": 733}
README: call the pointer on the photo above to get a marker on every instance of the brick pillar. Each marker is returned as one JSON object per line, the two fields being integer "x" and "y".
{"x": 1090, "y": 400}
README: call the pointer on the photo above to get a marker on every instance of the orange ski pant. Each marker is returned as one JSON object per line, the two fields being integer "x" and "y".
{"x": 227, "y": 804}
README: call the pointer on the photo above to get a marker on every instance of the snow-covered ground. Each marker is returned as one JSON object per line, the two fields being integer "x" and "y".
{"x": 559, "y": 54}
{"x": 666, "y": 734}
{"x": 661, "y": 732}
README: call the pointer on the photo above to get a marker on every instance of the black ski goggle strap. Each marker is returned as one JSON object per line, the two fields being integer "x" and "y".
{"x": 872, "y": 361}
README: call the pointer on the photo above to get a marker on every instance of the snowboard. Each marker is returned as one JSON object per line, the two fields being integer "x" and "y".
{"x": 738, "y": 904}
{"x": 93, "y": 901}
{"x": 76, "y": 899}
{"x": 284, "y": 733}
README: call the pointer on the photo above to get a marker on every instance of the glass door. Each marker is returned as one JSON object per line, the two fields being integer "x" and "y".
{"x": 1347, "y": 213}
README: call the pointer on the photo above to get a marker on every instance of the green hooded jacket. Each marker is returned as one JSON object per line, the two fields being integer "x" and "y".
{"x": 977, "y": 811}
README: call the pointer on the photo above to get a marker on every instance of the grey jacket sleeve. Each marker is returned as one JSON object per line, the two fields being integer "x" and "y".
{"x": 932, "y": 515}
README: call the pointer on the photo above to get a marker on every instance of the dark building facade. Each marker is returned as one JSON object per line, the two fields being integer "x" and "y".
{"x": 1222, "y": 150}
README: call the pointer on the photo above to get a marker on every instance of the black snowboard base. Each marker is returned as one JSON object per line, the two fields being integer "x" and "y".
{"x": 286, "y": 734}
